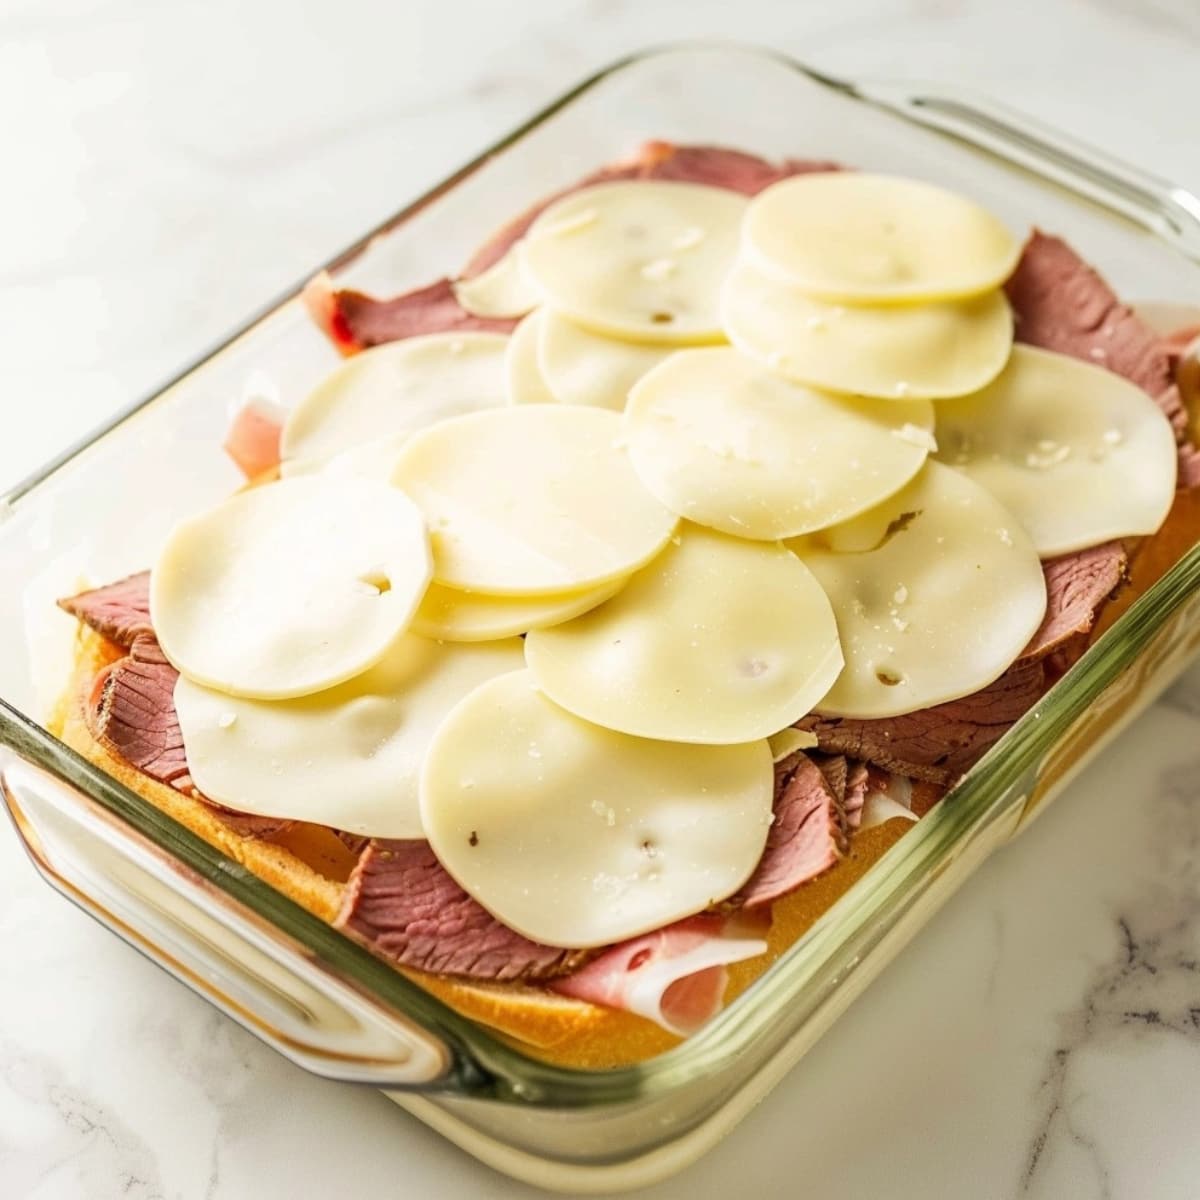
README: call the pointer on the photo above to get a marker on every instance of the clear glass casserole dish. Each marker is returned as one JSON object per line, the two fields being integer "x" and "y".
{"x": 103, "y": 507}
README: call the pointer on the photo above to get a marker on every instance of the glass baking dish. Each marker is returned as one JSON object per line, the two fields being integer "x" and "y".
{"x": 101, "y": 509}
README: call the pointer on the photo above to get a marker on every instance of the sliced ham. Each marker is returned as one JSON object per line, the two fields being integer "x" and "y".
{"x": 253, "y": 438}
{"x": 354, "y": 321}
{"x": 675, "y": 976}
{"x": 118, "y": 611}
{"x": 402, "y": 904}
{"x": 806, "y": 835}
{"x": 939, "y": 744}
{"x": 1077, "y": 586}
{"x": 1062, "y": 304}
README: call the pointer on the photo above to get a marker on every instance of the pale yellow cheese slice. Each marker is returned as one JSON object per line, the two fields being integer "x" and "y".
{"x": 1078, "y": 454}
{"x": 503, "y": 290}
{"x": 856, "y": 237}
{"x": 719, "y": 640}
{"x": 937, "y": 591}
{"x": 581, "y": 367}
{"x": 640, "y": 259}
{"x": 577, "y": 836}
{"x": 350, "y": 756}
{"x": 526, "y": 383}
{"x": 386, "y": 392}
{"x": 454, "y": 616}
{"x": 721, "y": 440}
{"x": 290, "y": 588}
{"x": 787, "y": 741}
{"x": 932, "y": 350}
{"x": 531, "y": 500}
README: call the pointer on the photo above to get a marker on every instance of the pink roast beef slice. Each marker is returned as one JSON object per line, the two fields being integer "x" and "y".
{"x": 119, "y": 611}
{"x": 401, "y": 902}
{"x": 806, "y": 836}
{"x": 941, "y": 743}
{"x": 857, "y": 781}
{"x": 1077, "y": 586}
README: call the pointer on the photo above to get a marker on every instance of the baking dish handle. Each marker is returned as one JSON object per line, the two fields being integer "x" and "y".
{"x": 214, "y": 944}
{"x": 1167, "y": 209}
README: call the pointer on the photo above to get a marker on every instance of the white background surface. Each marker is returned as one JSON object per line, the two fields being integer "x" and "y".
{"x": 166, "y": 168}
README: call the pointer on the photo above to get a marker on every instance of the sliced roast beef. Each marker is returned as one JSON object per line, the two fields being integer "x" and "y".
{"x": 1062, "y": 304}
{"x": 401, "y": 902}
{"x": 119, "y": 611}
{"x": 857, "y": 781}
{"x": 721, "y": 167}
{"x": 806, "y": 836}
{"x": 1077, "y": 585}
{"x": 356, "y": 321}
{"x": 941, "y": 743}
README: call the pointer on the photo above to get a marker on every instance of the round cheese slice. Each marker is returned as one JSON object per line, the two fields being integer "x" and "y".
{"x": 855, "y": 237}
{"x": 290, "y": 588}
{"x": 350, "y": 756}
{"x": 577, "y": 836}
{"x": 1078, "y": 454}
{"x": 581, "y": 367}
{"x": 532, "y": 500}
{"x": 388, "y": 391}
{"x": 721, "y": 440}
{"x": 638, "y": 259}
{"x": 893, "y": 351}
{"x": 526, "y": 384}
{"x": 937, "y": 591}
{"x": 453, "y": 616}
{"x": 503, "y": 290}
{"x": 719, "y": 640}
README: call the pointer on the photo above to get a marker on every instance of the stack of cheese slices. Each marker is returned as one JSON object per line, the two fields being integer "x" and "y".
{"x": 740, "y": 461}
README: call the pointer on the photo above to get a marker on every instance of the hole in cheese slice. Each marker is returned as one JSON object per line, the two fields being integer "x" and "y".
{"x": 856, "y": 237}
{"x": 455, "y": 616}
{"x": 387, "y": 392}
{"x": 503, "y": 290}
{"x": 722, "y": 441}
{"x": 290, "y": 588}
{"x": 536, "y": 499}
{"x": 348, "y": 757}
{"x": 937, "y": 591}
{"x": 638, "y": 259}
{"x": 718, "y": 640}
{"x": 890, "y": 351}
{"x": 526, "y": 384}
{"x": 1078, "y": 454}
{"x": 577, "y": 836}
{"x": 581, "y": 367}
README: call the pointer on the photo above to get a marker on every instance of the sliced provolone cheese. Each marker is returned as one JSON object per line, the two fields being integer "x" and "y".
{"x": 526, "y": 384}
{"x": 455, "y": 616}
{"x": 350, "y": 756}
{"x": 391, "y": 390}
{"x": 718, "y": 640}
{"x": 1078, "y": 454}
{"x": 724, "y": 442}
{"x": 937, "y": 591}
{"x": 581, "y": 367}
{"x": 503, "y": 290}
{"x": 787, "y": 741}
{"x": 531, "y": 500}
{"x": 852, "y": 236}
{"x": 638, "y": 259}
{"x": 290, "y": 588}
{"x": 938, "y": 349}
{"x": 577, "y": 836}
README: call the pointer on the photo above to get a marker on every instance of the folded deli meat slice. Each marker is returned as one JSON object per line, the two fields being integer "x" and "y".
{"x": 1077, "y": 585}
{"x": 253, "y": 438}
{"x": 118, "y": 611}
{"x": 806, "y": 835}
{"x": 1062, "y": 304}
{"x": 675, "y": 976}
{"x": 402, "y": 903}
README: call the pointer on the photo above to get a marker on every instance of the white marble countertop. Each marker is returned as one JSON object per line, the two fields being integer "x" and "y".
{"x": 167, "y": 166}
